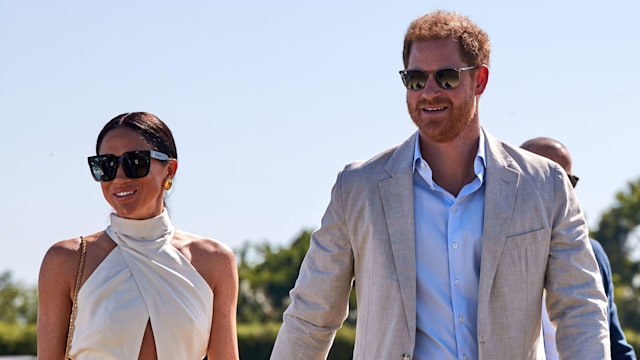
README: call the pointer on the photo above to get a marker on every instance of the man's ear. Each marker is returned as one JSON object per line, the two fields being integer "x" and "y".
{"x": 482, "y": 77}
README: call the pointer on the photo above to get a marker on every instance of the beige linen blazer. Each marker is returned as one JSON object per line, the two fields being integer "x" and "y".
{"x": 534, "y": 237}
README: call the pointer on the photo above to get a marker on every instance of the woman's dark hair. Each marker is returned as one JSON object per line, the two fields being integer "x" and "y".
{"x": 149, "y": 126}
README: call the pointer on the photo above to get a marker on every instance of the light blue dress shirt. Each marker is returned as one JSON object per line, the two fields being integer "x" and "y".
{"x": 448, "y": 233}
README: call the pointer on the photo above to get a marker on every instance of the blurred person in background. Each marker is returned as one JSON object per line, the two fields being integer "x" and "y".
{"x": 620, "y": 348}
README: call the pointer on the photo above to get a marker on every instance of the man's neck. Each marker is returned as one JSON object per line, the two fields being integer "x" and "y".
{"x": 452, "y": 163}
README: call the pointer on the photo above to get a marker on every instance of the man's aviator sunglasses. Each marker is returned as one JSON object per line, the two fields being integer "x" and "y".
{"x": 416, "y": 80}
{"x": 134, "y": 163}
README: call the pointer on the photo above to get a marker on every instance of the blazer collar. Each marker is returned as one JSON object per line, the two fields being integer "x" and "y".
{"x": 401, "y": 161}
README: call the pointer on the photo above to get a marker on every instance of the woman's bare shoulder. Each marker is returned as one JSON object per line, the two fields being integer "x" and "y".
{"x": 64, "y": 255}
{"x": 212, "y": 258}
{"x": 62, "y": 251}
{"x": 201, "y": 246}
{"x": 59, "y": 262}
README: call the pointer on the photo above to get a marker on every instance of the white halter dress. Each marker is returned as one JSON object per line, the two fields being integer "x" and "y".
{"x": 143, "y": 279}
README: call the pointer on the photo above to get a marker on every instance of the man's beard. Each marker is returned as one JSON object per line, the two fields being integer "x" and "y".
{"x": 448, "y": 129}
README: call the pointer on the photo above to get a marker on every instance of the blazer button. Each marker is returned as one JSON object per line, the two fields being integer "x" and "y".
{"x": 406, "y": 357}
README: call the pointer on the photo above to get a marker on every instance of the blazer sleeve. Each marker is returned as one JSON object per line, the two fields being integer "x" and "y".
{"x": 575, "y": 296}
{"x": 320, "y": 297}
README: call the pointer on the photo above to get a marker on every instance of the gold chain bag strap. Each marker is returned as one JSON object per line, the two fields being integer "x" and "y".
{"x": 74, "y": 306}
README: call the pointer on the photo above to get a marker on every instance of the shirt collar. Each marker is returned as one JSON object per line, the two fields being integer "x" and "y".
{"x": 479, "y": 164}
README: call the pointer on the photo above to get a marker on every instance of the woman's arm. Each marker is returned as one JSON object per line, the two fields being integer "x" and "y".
{"x": 217, "y": 264}
{"x": 56, "y": 284}
{"x": 223, "y": 342}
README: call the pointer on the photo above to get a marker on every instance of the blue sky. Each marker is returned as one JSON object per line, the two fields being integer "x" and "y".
{"x": 268, "y": 100}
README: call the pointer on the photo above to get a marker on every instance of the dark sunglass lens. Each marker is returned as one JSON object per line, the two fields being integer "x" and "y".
{"x": 448, "y": 78}
{"x": 414, "y": 80}
{"x": 96, "y": 171}
{"x": 103, "y": 167}
{"x": 574, "y": 180}
{"x": 136, "y": 164}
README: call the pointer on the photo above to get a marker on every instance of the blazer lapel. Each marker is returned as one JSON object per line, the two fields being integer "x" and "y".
{"x": 397, "y": 201}
{"x": 500, "y": 194}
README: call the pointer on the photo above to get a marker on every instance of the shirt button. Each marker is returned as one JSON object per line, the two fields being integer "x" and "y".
{"x": 461, "y": 319}
{"x": 455, "y": 245}
{"x": 457, "y": 282}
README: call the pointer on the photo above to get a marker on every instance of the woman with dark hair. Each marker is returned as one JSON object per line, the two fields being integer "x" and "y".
{"x": 140, "y": 289}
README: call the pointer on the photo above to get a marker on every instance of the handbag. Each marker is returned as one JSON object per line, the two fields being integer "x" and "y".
{"x": 74, "y": 305}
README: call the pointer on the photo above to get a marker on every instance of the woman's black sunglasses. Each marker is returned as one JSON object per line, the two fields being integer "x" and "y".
{"x": 134, "y": 163}
{"x": 416, "y": 80}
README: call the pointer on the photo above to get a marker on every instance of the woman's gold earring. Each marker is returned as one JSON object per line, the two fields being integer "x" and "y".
{"x": 168, "y": 184}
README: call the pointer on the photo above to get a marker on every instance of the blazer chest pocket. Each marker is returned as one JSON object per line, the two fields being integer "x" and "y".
{"x": 523, "y": 240}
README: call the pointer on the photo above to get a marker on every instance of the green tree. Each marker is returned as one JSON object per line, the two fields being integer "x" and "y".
{"x": 267, "y": 273}
{"x": 18, "y": 302}
{"x": 617, "y": 232}
{"x": 266, "y": 280}
{"x": 18, "y": 312}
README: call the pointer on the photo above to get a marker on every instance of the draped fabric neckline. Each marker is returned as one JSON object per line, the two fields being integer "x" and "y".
{"x": 142, "y": 234}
